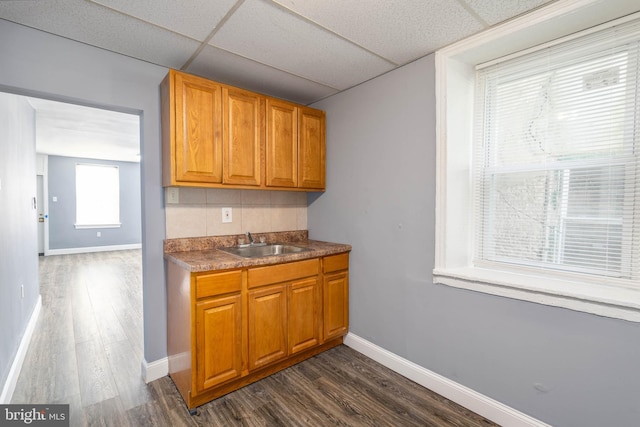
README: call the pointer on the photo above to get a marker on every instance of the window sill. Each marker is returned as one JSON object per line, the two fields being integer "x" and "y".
{"x": 87, "y": 226}
{"x": 603, "y": 300}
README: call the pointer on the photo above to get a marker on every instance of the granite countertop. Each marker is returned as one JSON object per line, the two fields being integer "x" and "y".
{"x": 200, "y": 254}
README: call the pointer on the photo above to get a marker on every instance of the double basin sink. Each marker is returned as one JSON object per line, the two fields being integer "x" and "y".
{"x": 260, "y": 250}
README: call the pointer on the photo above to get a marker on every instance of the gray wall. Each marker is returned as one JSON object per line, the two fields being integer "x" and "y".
{"x": 36, "y": 63}
{"x": 563, "y": 367}
{"x": 62, "y": 214}
{"x": 18, "y": 226}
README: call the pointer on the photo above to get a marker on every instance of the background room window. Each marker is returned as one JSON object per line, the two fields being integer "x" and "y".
{"x": 556, "y": 157}
{"x": 97, "y": 196}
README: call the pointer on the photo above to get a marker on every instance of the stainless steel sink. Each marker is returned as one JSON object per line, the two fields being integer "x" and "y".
{"x": 258, "y": 251}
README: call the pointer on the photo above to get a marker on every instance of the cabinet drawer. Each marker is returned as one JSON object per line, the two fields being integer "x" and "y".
{"x": 219, "y": 283}
{"x": 335, "y": 262}
{"x": 283, "y": 272}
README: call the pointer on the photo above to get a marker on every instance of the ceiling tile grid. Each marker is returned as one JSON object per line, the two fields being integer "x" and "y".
{"x": 496, "y": 11}
{"x": 299, "y": 50}
{"x": 192, "y": 18}
{"x": 234, "y": 70}
{"x": 268, "y": 34}
{"x": 400, "y": 31}
{"x": 97, "y": 26}
{"x": 302, "y": 50}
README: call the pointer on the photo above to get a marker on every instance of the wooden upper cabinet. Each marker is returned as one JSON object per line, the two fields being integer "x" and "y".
{"x": 282, "y": 144}
{"x": 295, "y": 146}
{"x": 219, "y": 136}
{"x": 194, "y": 152}
{"x": 311, "y": 149}
{"x": 243, "y": 135}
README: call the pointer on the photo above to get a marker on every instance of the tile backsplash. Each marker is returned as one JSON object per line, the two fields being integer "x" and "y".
{"x": 199, "y": 212}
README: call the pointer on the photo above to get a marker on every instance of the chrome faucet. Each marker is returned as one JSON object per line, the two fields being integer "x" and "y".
{"x": 250, "y": 237}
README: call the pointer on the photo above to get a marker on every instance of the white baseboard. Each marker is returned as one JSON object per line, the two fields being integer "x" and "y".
{"x": 470, "y": 399}
{"x": 10, "y": 385}
{"x": 155, "y": 370}
{"x": 71, "y": 251}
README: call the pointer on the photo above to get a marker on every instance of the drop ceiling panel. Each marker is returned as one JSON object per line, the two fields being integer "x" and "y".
{"x": 275, "y": 37}
{"x": 302, "y": 50}
{"x": 195, "y": 19}
{"x": 400, "y": 31}
{"x": 225, "y": 67}
{"x": 495, "y": 11}
{"x": 101, "y": 27}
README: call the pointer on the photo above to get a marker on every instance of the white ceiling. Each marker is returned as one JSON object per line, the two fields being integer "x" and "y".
{"x": 300, "y": 50}
{"x": 77, "y": 131}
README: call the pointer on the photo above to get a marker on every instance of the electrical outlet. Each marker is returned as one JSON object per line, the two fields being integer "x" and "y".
{"x": 173, "y": 195}
{"x": 99, "y": 234}
{"x": 227, "y": 215}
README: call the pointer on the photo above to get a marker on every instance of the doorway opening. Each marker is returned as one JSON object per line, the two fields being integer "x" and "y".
{"x": 90, "y": 274}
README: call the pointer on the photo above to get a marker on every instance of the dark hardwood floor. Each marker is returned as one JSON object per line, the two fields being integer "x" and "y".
{"x": 87, "y": 348}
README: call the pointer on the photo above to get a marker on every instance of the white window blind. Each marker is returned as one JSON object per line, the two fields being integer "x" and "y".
{"x": 97, "y": 196}
{"x": 556, "y": 171}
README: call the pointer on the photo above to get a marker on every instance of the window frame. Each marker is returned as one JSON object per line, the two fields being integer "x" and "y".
{"x": 455, "y": 246}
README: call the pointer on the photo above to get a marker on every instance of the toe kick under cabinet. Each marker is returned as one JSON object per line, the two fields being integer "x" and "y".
{"x": 227, "y": 329}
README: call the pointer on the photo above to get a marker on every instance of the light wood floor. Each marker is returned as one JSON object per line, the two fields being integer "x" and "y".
{"x": 87, "y": 348}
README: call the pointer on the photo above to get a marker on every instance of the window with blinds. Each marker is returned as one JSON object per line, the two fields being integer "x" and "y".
{"x": 555, "y": 162}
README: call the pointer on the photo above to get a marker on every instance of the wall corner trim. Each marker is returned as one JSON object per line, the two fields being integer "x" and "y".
{"x": 470, "y": 399}
{"x": 155, "y": 370}
{"x": 10, "y": 385}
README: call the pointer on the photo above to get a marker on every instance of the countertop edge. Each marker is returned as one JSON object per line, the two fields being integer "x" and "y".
{"x": 215, "y": 260}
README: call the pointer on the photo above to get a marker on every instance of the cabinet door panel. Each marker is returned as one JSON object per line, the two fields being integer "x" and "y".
{"x": 282, "y": 144}
{"x": 336, "y": 305}
{"x": 303, "y": 315}
{"x": 218, "y": 340}
{"x": 198, "y": 137}
{"x": 311, "y": 146}
{"x": 243, "y": 134}
{"x": 267, "y": 325}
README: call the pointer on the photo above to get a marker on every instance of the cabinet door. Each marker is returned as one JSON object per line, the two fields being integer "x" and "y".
{"x": 311, "y": 149}
{"x": 336, "y": 304}
{"x": 267, "y": 325}
{"x": 282, "y": 144}
{"x": 218, "y": 340}
{"x": 198, "y": 132}
{"x": 243, "y": 135}
{"x": 303, "y": 314}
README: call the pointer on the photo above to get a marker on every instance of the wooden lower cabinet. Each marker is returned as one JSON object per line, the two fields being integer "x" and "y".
{"x": 231, "y": 328}
{"x": 336, "y": 296}
{"x": 219, "y": 335}
{"x": 303, "y": 315}
{"x": 267, "y": 325}
{"x": 283, "y": 320}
